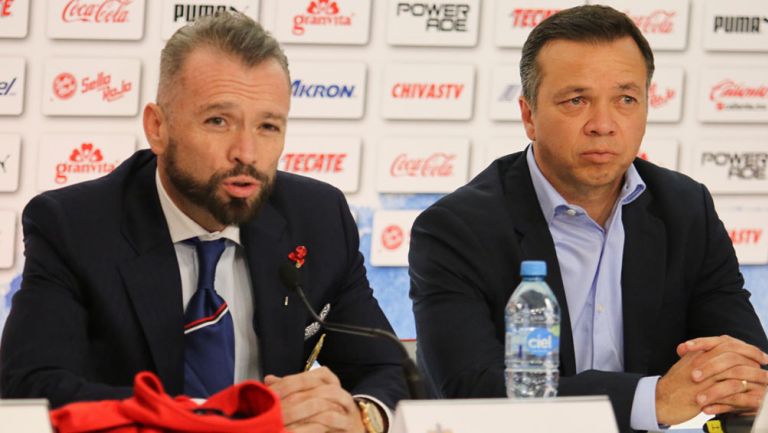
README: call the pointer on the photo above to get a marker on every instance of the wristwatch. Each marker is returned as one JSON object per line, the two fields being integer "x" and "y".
{"x": 372, "y": 419}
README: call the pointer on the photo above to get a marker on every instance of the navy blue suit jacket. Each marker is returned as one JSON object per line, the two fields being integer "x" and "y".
{"x": 680, "y": 280}
{"x": 101, "y": 293}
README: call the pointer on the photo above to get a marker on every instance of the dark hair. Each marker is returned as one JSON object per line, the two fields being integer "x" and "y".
{"x": 589, "y": 23}
{"x": 229, "y": 32}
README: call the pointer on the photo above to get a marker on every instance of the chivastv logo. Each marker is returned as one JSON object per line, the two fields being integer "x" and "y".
{"x": 530, "y": 18}
{"x": 300, "y": 89}
{"x": 427, "y": 90}
{"x": 104, "y": 11}
{"x": 739, "y": 24}
{"x": 439, "y": 164}
{"x": 314, "y": 162}
{"x": 439, "y": 17}
{"x": 187, "y": 12}
{"x": 65, "y": 85}
{"x": 320, "y": 13}
{"x": 749, "y": 236}
{"x": 744, "y": 165}
{"x": 83, "y": 160}
{"x": 657, "y": 22}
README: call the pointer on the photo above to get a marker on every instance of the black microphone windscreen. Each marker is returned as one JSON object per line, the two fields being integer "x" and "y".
{"x": 289, "y": 275}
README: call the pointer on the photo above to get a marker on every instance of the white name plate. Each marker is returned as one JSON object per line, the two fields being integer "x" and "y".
{"x": 29, "y": 416}
{"x": 562, "y": 414}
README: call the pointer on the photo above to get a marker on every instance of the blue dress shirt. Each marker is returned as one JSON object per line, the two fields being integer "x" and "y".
{"x": 590, "y": 258}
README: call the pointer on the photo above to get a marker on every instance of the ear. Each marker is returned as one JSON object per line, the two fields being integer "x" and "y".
{"x": 155, "y": 128}
{"x": 527, "y": 113}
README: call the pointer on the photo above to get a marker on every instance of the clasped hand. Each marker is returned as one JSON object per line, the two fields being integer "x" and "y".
{"x": 315, "y": 402}
{"x": 714, "y": 375}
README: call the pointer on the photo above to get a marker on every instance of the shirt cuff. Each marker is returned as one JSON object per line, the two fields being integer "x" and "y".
{"x": 383, "y": 409}
{"x": 644, "y": 406}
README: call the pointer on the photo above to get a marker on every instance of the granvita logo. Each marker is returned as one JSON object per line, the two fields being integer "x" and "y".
{"x": 320, "y": 13}
{"x": 83, "y": 160}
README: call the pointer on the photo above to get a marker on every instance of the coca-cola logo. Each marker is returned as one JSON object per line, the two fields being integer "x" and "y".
{"x": 104, "y": 11}
{"x": 65, "y": 86}
{"x": 530, "y": 18}
{"x": 657, "y": 98}
{"x": 5, "y": 8}
{"x": 643, "y": 155}
{"x": 656, "y": 22}
{"x": 438, "y": 164}
{"x": 392, "y": 237}
{"x": 314, "y": 162}
{"x": 745, "y": 236}
{"x": 730, "y": 89}
{"x": 83, "y": 160}
{"x": 320, "y": 13}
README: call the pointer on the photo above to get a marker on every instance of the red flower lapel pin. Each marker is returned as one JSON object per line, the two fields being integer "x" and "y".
{"x": 297, "y": 256}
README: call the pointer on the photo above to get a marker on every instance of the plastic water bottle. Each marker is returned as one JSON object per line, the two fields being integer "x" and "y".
{"x": 532, "y": 319}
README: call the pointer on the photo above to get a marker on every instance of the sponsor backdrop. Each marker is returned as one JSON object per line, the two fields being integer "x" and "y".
{"x": 394, "y": 102}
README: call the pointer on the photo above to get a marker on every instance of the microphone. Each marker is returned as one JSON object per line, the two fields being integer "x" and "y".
{"x": 289, "y": 276}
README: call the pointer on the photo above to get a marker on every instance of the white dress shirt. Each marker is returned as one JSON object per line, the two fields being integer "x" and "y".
{"x": 232, "y": 282}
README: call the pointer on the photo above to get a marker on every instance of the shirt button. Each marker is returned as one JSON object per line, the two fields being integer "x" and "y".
{"x": 600, "y": 308}
{"x": 571, "y": 212}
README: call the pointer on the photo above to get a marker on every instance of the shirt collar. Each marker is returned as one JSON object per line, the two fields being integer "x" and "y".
{"x": 551, "y": 201}
{"x": 183, "y": 227}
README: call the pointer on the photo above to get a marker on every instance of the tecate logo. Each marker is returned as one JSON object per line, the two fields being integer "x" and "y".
{"x": 314, "y": 162}
{"x": 6, "y": 86}
{"x": 5, "y": 8}
{"x": 65, "y": 85}
{"x": 392, "y": 237}
{"x": 427, "y": 90}
{"x": 530, "y": 18}
{"x": 320, "y": 13}
{"x": 440, "y": 17}
{"x": 745, "y": 166}
{"x": 738, "y": 24}
{"x": 105, "y": 11}
{"x": 745, "y": 236}
{"x": 189, "y": 13}
{"x": 729, "y": 89}
{"x": 436, "y": 165}
{"x": 658, "y": 99}
{"x": 300, "y": 89}
{"x": 83, "y": 159}
{"x": 656, "y": 22}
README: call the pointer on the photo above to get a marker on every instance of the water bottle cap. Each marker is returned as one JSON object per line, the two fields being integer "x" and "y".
{"x": 533, "y": 268}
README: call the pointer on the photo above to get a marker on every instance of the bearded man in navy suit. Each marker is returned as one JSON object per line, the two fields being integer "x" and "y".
{"x": 111, "y": 264}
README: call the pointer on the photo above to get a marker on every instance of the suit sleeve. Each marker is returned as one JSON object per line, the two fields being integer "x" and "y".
{"x": 45, "y": 339}
{"x": 370, "y": 366}
{"x": 461, "y": 345}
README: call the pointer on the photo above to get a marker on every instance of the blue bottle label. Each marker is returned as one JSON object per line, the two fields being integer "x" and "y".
{"x": 540, "y": 342}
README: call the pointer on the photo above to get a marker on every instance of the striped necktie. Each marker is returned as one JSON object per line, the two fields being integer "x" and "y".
{"x": 209, "y": 337}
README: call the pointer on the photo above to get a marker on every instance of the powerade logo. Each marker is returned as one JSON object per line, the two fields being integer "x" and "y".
{"x": 540, "y": 342}
{"x": 301, "y": 89}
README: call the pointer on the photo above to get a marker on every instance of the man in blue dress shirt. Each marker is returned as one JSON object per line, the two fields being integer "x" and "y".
{"x": 654, "y": 312}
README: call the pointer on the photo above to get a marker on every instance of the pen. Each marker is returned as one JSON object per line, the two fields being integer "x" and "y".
{"x": 315, "y": 353}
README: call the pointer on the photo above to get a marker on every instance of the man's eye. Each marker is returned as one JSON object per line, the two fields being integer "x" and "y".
{"x": 217, "y": 121}
{"x": 628, "y": 99}
{"x": 271, "y": 127}
{"x": 576, "y": 101}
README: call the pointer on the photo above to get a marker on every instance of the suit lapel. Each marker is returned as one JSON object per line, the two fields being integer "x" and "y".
{"x": 536, "y": 244}
{"x": 279, "y": 327}
{"x": 152, "y": 279}
{"x": 642, "y": 279}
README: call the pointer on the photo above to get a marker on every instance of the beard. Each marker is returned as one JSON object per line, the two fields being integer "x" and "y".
{"x": 226, "y": 210}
